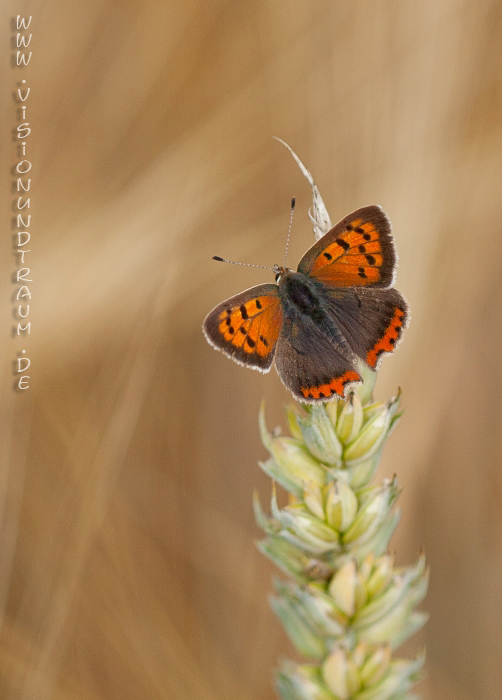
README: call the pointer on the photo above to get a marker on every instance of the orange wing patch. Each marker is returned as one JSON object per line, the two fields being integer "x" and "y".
{"x": 354, "y": 258}
{"x": 253, "y": 327}
{"x": 335, "y": 386}
{"x": 388, "y": 341}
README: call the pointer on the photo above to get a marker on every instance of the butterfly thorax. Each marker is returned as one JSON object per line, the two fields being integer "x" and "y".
{"x": 301, "y": 294}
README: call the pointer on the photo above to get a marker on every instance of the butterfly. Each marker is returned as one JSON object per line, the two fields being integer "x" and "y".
{"x": 338, "y": 308}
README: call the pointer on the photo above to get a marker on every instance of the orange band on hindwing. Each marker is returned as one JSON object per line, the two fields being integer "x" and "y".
{"x": 388, "y": 341}
{"x": 335, "y": 386}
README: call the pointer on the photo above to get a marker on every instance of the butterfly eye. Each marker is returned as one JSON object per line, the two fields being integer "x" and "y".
{"x": 278, "y": 277}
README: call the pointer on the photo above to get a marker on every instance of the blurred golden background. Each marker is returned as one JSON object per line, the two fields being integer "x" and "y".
{"x": 128, "y": 567}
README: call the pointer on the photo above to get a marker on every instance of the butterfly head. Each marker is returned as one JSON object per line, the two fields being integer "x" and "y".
{"x": 279, "y": 272}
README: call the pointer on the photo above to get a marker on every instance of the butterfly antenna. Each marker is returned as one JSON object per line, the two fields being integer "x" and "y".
{"x": 293, "y": 202}
{"x": 263, "y": 267}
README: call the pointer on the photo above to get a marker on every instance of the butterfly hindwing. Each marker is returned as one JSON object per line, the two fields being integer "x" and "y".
{"x": 358, "y": 251}
{"x": 311, "y": 365}
{"x": 246, "y": 327}
{"x": 371, "y": 320}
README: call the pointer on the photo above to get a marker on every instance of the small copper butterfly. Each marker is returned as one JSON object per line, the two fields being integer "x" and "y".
{"x": 339, "y": 306}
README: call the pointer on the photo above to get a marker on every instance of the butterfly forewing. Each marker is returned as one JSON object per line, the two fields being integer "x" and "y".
{"x": 358, "y": 251}
{"x": 246, "y": 327}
